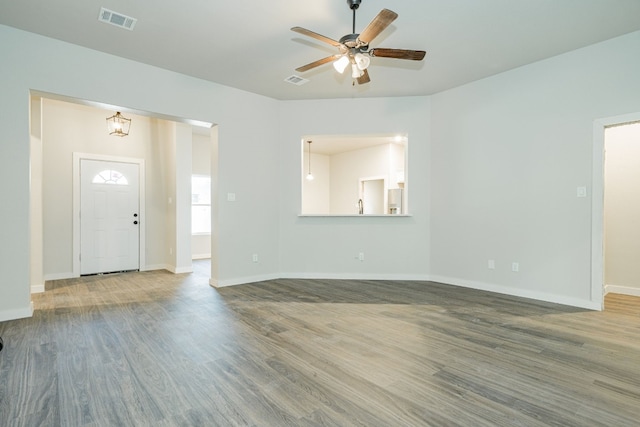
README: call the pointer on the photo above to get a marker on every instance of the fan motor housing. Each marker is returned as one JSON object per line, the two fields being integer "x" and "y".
{"x": 351, "y": 41}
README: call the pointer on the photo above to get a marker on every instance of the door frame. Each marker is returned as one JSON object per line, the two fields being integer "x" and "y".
{"x": 77, "y": 158}
{"x": 383, "y": 178}
{"x": 597, "y": 204}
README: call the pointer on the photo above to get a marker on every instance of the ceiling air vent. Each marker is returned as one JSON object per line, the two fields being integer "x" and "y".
{"x": 117, "y": 19}
{"x": 296, "y": 80}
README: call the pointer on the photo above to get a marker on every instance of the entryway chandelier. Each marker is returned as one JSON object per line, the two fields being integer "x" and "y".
{"x": 118, "y": 125}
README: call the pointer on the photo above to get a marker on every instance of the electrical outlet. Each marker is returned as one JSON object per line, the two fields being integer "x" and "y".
{"x": 515, "y": 267}
{"x": 255, "y": 257}
{"x": 231, "y": 197}
{"x": 491, "y": 264}
{"x": 361, "y": 256}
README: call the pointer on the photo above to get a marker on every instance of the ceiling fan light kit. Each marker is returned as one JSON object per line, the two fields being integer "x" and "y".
{"x": 341, "y": 63}
{"x": 362, "y": 61}
{"x": 354, "y": 48}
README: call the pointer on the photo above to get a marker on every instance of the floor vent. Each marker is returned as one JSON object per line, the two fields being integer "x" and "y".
{"x": 296, "y": 80}
{"x": 117, "y": 19}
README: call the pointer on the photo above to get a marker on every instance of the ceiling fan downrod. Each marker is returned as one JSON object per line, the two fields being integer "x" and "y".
{"x": 353, "y": 5}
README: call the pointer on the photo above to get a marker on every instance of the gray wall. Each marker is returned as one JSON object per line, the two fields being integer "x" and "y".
{"x": 493, "y": 169}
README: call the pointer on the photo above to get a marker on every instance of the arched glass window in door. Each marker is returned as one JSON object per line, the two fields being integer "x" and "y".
{"x": 110, "y": 176}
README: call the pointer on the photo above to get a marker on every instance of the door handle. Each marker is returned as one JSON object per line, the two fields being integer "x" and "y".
{"x": 135, "y": 222}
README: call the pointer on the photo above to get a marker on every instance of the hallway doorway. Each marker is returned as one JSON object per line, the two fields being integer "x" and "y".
{"x": 622, "y": 209}
{"x": 598, "y": 282}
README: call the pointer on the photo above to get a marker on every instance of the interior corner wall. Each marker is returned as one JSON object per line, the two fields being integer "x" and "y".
{"x": 508, "y": 153}
{"x": 622, "y": 209}
{"x": 183, "y": 158}
{"x": 14, "y": 187}
{"x": 36, "y": 236}
{"x": 170, "y": 202}
{"x": 33, "y": 62}
{"x": 393, "y": 247}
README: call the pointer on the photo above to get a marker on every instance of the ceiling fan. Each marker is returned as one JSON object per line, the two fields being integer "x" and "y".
{"x": 354, "y": 48}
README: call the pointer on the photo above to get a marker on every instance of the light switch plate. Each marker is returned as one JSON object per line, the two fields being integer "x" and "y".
{"x": 581, "y": 192}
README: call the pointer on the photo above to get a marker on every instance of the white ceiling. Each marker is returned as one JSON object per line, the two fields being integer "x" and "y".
{"x": 249, "y": 45}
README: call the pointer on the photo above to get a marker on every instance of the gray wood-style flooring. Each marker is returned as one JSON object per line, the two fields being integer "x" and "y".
{"x": 157, "y": 349}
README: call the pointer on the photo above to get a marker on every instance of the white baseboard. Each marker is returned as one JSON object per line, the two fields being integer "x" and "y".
{"x": 523, "y": 293}
{"x": 16, "y": 313}
{"x": 37, "y": 288}
{"x": 152, "y": 267}
{"x": 59, "y": 276}
{"x": 170, "y": 268}
{"x": 624, "y": 290}
{"x": 200, "y": 256}
{"x": 243, "y": 280}
{"x": 353, "y": 276}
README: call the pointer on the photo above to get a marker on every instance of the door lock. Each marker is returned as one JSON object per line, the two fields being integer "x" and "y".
{"x": 135, "y": 222}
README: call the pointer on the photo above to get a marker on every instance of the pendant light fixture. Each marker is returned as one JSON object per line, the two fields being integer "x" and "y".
{"x": 309, "y": 175}
{"x": 118, "y": 125}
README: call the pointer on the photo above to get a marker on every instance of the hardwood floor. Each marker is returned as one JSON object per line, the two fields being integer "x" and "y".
{"x": 159, "y": 349}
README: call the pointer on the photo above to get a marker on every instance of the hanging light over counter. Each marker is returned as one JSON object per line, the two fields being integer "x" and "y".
{"x": 309, "y": 175}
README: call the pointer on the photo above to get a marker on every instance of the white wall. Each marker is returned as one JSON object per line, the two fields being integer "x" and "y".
{"x": 508, "y": 153}
{"x": 33, "y": 62}
{"x": 328, "y": 246}
{"x": 622, "y": 209}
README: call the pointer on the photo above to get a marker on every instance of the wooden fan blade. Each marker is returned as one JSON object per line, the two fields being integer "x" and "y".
{"x": 375, "y": 27}
{"x": 316, "y": 36}
{"x": 364, "y": 78}
{"x": 317, "y": 63}
{"x": 414, "y": 55}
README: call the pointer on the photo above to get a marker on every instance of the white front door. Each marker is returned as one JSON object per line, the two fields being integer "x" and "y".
{"x": 109, "y": 216}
